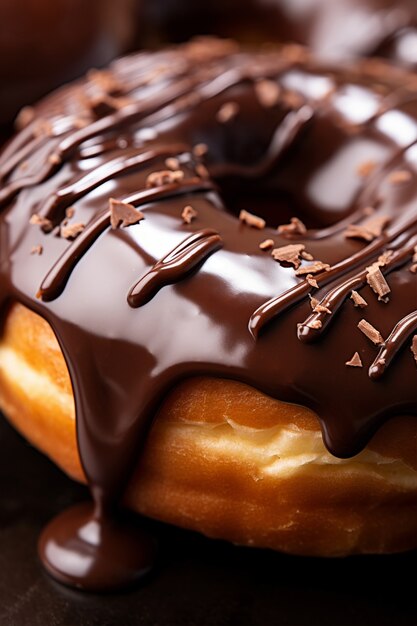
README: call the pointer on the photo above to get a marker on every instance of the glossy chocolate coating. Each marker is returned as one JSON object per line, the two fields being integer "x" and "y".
{"x": 337, "y": 29}
{"x": 138, "y": 308}
{"x": 45, "y": 43}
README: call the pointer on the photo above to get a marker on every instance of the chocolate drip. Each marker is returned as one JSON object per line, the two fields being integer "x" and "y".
{"x": 275, "y": 306}
{"x": 334, "y": 299}
{"x": 175, "y": 266}
{"x": 56, "y": 279}
{"x": 397, "y": 338}
{"x": 297, "y": 156}
{"x": 129, "y": 162}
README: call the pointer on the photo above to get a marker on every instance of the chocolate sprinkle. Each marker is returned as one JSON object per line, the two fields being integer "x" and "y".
{"x": 43, "y": 222}
{"x": 251, "y": 220}
{"x": 312, "y": 281}
{"x": 71, "y": 231}
{"x": 358, "y": 300}
{"x": 123, "y": 213}
{"x": 368, "y": 230}
{"x": 295, "y": 227}
{"x": 188, "y": 214}
{"x": 355, "y": 361}
{"x": 377, "y": 282}
{"x": 267, "y": 244}
{"x": 288, "y": 254}
{"x": 227, "y": 112}
{"x": 369, "y": 331}
{"x": 267, "y": 92}
{"x": 313, "y": 268}
{"x": 164, "y": 177}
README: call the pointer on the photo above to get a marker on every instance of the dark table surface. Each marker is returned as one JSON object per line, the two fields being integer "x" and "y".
{"x": 199, "y": 581}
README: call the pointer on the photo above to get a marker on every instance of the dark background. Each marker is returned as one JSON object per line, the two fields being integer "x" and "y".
{"x": 199, "y": 582}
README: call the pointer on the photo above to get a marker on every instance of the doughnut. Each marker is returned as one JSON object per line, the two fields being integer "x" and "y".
{"x": 208, "y": 269}
{"x": 44, "y": 43}
{"x": 334, "y": 30}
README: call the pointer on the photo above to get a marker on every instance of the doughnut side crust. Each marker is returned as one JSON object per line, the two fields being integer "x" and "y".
{"x": 226, "y": 460}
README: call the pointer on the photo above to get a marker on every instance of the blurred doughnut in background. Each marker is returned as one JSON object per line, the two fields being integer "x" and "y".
{"x": 44, "y": 43}
{"x": 334, "y": 29}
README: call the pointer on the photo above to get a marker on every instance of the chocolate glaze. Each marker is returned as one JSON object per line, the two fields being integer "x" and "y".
{"x": 137, "y": 309}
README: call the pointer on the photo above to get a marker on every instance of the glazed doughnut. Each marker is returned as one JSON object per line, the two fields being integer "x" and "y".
{"x": 333, "y": 30}
{"x": 218, "y": 248}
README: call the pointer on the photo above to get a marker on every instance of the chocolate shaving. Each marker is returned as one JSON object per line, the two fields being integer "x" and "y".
{"x": 414, "y": 347}
{"x": 267, "y": 92}
{"x": 313, "y": 268}
{"x": 377, "y": 282}
{"x": 320, "y": 308}
{"x": 43, "y": 222}
{"x": 355, "y": 361}
{"x": 164, "y": 177}
{"x": 227, "y": 112}
{"x": 71, "y": 231}
{"x": 369, "y": 331}
{"x": 289, "y": 254}
{"x": 267, "y": 244}
{"x": 70, "y": 212}
{"x": 314, "y": 324}
{"x": 313, "y": 302}
{"x": 201, "y": 170}
{"x": 188, "y": 214}
{"x": 200, "y": 150}
{"x": 366, "y": 168}
{"x": 123, "y": 213}
{"x": 295, "y": 227}
{"x": 37, "y": 250}
{"x": 368, "y": 230}
{"x": 358, "y": 300}
{"x": 172, "y": 163}
{"x": 385, "y": 258}
{"x": 306, "y": 256}
{"x": 54, "y": 159}
{"x": 413, "y": 268}
{"x": 24, "y": 117}
{"x": 251, "y": 220}
{"x": 398, "y": 177}
{"x": 312, "y": 281}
